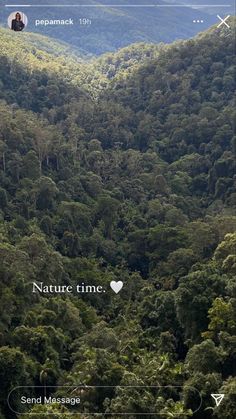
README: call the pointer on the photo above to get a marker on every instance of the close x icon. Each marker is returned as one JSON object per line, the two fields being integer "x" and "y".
{"x": 223, "y": 21}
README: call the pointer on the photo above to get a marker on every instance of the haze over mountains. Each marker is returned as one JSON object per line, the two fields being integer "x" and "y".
{"x": 115, "y": 27}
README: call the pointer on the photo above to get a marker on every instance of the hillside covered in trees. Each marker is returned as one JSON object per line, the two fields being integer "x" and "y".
{"x": 119, "y": 168}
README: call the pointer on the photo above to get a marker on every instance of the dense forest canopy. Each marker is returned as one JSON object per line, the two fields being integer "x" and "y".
{"x": 119, "y": 168}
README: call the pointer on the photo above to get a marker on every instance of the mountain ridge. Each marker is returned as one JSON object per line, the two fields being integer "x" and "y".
{"x": 34, "y": 52}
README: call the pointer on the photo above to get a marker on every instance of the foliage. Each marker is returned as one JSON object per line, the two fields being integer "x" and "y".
{"x": 130, "y": 180}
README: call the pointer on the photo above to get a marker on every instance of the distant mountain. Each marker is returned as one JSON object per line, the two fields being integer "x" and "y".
{"x": 114, "y": 27}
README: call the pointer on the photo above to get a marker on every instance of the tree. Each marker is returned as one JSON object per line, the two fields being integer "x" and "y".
{"x": 194, "y": 297}
{"x": 30, "y": 166}
{"x": 3, "y": 199}
{"x": 222, "y": 319}
{"x": 197, "y": 392}
{"x": 75, "y": 218}
{"x": 106, "y": 210}
{"x": 227, "y": 409}
{"x": 46, "y": 191}
{"x": 16, "y": 369}
{"x": 225, "y": 252}
{"x": 204, "y": 357}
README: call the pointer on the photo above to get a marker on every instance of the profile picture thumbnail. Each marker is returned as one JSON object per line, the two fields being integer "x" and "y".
{"x": 17, "y": 21}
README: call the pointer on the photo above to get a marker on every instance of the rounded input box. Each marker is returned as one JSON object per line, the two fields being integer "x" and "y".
{"x": 101, "y": 400}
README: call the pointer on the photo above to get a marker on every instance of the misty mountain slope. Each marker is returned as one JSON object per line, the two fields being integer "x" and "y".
{"x": 32, "y": 52}
{"x": 37, "y": 52}
{"x": 183, "y": 61}
{"x": 26, "y": 54}
{"x": 112, "y": 27}
{"x": 173, "y": 89}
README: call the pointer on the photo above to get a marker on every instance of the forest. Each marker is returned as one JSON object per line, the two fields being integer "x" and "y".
{"x": 119, "y": 168}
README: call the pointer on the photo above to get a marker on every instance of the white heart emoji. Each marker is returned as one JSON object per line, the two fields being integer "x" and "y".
{"x": 116, "y": 286}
